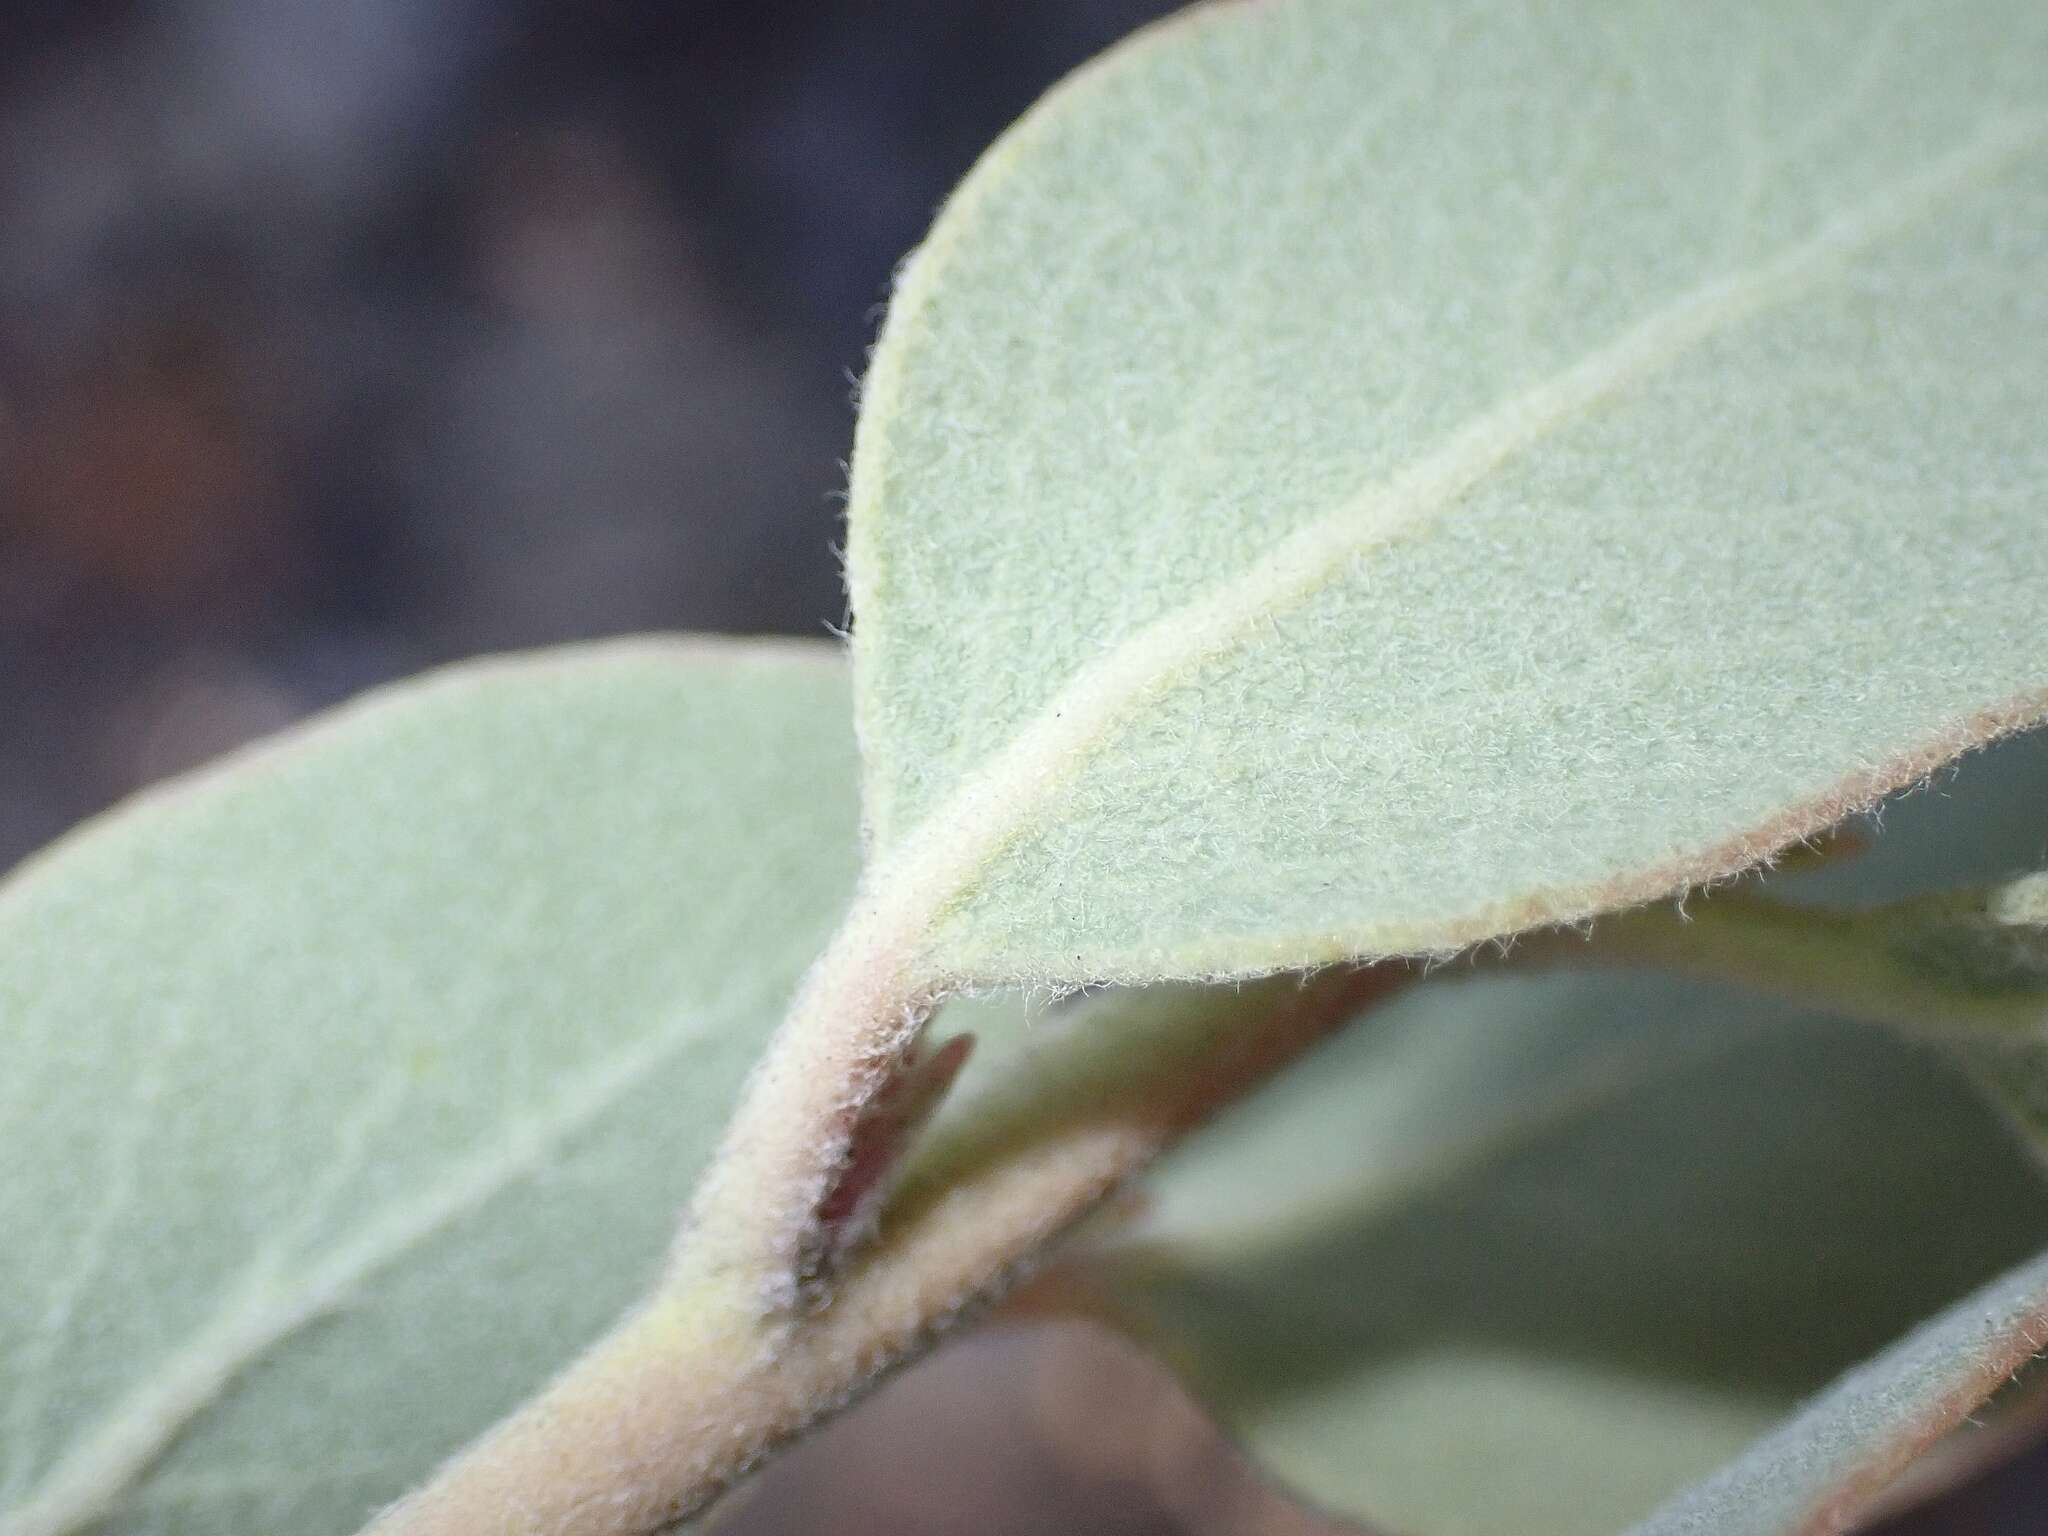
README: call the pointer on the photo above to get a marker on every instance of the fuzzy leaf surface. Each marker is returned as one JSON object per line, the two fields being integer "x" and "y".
{"x": 1347, "y": 479}
{"x": 1526, "y": 1257}
{"x": 1529, "y": 1254}
{"x": 353, "y": 1085}
{"x": 1816, "y": 1471}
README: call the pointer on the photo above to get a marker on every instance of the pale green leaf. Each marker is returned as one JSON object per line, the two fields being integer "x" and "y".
{"x": 2005, "y": 949}
{"x": 1352, "y": 478}
{"x": 1813, "y": 1471}
{"x": 1963, "y": 966}
{"x": 1967, "y": 964}
{"x": 352, "y": 1086}
{"x": 1525, "y": 1256}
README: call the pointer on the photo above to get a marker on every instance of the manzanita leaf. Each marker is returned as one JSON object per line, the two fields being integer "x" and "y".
{"x": 1527, "y": 1255}
{"x": 2004, "y": 949}
{"x": 1816, "y": 1473}
{"x": 1359, "y": 478}
{"x": 1915, "y": 937}
{"x": 352, "y": 1086}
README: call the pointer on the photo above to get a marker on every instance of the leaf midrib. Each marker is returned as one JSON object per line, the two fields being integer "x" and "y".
{"x": 104, "y": 1459}
{"x": 932, "y": 869}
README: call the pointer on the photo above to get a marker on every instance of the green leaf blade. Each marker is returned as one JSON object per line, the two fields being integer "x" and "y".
{"x": 1528, "y": 1252}
{"x": 1345, "y": 481}
{"x": 1813, "y": 1472}
{"x": 1592, "y": 1238}
{"x": 355, "y": 1085}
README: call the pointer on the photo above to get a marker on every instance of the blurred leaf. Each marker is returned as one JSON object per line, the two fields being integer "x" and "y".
{"x": 354, "y": 1085}
{"x": 1965, "y": 964}
{"x": 1527, "y": 1255}
{"x": 1966, "y": 969}
{"x": 2005, "y": 947}
{"x": 1352, "y": 479}
{"x": 1818, "y": 1471}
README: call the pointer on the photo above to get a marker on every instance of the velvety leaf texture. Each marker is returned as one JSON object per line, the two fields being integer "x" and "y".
{"x": 1807, "y": 1475}
{"x": 1358, "y": 478}
{"x": 1524, "y": 1255}
{"x": 354, "y": 1085}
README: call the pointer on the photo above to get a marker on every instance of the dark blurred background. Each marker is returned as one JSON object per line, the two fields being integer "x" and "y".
{"x": 340, "y": 339}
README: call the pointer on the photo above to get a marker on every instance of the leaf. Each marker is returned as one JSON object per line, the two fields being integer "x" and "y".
{"x": 1351, "y": 479}
{"x": 1527, "y": 1255}
{"x": 1551, "y": 1246}
{"x": 2004, "y": 950}
{"x": 1814, "y": 1472}
{"x": 1964, "y": 967}
{"x": 354, "y": 1085}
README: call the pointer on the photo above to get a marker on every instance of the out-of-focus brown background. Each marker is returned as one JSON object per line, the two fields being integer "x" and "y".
{"x": 339, "y": 339}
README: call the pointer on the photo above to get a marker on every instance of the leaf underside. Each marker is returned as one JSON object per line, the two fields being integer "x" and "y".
{"x": 1349, "y": 479}
{"x": 1341, "y": 479}
{"x": 1636, "y": 1238}
{"x": 353, "y": 1086}
{"x": 1528, "y": 1254}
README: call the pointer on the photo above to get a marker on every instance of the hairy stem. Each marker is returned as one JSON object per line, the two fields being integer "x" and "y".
{"x": 692, "y": 1389}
